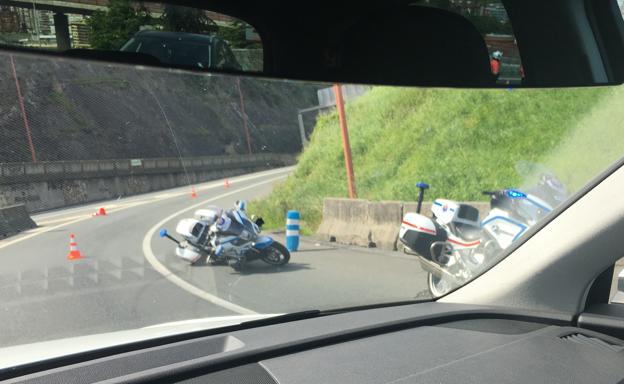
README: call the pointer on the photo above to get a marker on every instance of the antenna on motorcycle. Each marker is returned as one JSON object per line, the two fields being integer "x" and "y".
{"x": 421, "y": 194}
{"x": 163, "y": 233}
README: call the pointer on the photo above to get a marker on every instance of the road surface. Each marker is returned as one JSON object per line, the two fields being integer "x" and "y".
{"x": 130, "y": 278}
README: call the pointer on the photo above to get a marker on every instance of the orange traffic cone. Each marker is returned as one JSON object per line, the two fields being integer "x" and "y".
{"x": 74, "y": 253}
{"x": 193, "y": 193}
{"x": 227, "y": 183}
{"x": 100, "y": 212}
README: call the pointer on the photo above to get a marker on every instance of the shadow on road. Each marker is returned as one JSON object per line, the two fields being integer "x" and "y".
{"x": 263, "y": 268}
{"x": 318, "y": 249}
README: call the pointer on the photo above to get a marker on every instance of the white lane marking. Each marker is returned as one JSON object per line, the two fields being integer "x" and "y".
{"x": 125, "y": 205}
{"x": 190, "y": 288}
{"x": 41, "y": 230}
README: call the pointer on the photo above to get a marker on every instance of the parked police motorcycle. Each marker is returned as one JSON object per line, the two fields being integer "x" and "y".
{"x": 226, "y": 236}
{"x": 445, "y": 243}
{"x": 453, "y": 246}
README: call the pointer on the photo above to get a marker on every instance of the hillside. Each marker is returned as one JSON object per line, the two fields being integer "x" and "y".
{"x": 459, "y": 141}
{"x": 84, "y": 110}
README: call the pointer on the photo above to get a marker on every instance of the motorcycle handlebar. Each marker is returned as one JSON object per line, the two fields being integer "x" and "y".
{"x": 487, "y": 193}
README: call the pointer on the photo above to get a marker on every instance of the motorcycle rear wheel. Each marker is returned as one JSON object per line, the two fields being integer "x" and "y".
{"x": 276, "y": 254}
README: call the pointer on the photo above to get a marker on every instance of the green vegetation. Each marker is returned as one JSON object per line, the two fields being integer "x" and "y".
{"x": 187, "y": 19}
{"x": 459, "y": 141}
{"x": 234, "y": 34}
{"x": 112, "y": 29}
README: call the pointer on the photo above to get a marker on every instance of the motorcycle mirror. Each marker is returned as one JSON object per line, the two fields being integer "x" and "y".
{"x": 259, "y": 222}
{"x": 422, "y": 185}
{"x": 163, "y": 233}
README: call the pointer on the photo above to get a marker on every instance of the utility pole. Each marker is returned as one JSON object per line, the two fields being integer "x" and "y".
{"x": 20, "y": 100}
{"x": 345, "y": 141}
{"x": 244, "y": 115}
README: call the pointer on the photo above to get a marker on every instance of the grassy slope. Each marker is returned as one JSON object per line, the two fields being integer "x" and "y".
{"x": 459, "y": 141}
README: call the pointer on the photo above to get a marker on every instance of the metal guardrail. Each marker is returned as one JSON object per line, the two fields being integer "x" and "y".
{"x": 11, "y": 173}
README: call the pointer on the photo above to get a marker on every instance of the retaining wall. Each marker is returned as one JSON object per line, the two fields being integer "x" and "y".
{"x": 368, "y": 223}
{"x": 47, "y": 185}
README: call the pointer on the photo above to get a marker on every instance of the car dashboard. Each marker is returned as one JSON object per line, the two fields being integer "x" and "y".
{"x": 418, "y": 343}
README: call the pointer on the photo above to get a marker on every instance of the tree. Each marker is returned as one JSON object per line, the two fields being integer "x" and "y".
{"x": 235, "y": 35}
{"x": 186, "y": 19}
{"x": 111, "y": 29}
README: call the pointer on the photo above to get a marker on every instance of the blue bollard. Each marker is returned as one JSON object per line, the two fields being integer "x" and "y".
{"x": 292, "y": 230}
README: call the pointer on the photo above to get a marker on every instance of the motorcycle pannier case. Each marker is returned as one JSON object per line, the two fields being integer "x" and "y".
{"x": 418, "y": 232}
{"x": 188, "y": 253}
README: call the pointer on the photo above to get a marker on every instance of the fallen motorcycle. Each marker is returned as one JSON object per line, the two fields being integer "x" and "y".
{"x": 228, "y": 236}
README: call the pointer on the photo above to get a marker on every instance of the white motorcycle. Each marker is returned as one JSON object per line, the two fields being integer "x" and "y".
{"x": 513, "y": 212}
{"x": 453, "y": 246}
{"x": 226, "y": 236}
{"x": 445, "y": 242}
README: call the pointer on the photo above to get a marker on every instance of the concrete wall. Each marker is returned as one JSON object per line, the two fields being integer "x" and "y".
{"x": 370, "y": 224}
{"x": 47, "y": 185}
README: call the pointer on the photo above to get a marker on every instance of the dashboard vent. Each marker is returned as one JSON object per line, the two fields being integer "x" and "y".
{"x": 579, "y": 338}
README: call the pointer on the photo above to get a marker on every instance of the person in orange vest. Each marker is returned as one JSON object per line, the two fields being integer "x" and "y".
{"x": 495, "y": 63}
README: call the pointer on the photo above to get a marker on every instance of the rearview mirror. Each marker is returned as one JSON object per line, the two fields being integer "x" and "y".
{"x": 437, "y": 43}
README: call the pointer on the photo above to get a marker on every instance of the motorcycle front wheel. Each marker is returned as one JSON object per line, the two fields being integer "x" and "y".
{"x": 275, "y": 254}
{"x": 438, "y": 286}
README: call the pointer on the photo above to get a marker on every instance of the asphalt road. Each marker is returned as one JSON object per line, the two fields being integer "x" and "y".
{"x": 130, "y": 278}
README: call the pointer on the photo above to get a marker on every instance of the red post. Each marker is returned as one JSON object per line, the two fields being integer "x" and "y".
{"x": 345, "y": 141}
{"x": 242, "y": 102}
{"x": 20, "y": 99}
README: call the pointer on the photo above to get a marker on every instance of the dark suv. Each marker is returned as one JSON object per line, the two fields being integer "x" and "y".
{"x": 186, "y": 49}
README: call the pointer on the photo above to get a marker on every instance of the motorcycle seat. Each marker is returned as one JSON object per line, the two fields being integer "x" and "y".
{"x": 466, "y": 232}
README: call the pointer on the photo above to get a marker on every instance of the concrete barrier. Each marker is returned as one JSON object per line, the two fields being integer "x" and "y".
{"x": 344, "y": 221}
{"x": 370, "y": 224}
{"x": 14, "y": 219}
{"x": 383, "y": 220}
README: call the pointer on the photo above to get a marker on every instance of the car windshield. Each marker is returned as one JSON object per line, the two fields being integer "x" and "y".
{"x": 135, "y": 197}
{"x": 172, "y": 50}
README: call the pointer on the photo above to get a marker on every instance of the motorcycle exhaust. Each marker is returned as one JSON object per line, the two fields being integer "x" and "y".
{"x": 434, "y": 268}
